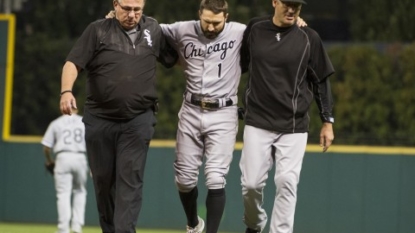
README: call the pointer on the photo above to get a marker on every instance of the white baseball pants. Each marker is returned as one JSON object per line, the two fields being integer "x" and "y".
{"x": 208, "y": 134}
{"x": 71, "y": 173}
{"x": 262, "y": 149}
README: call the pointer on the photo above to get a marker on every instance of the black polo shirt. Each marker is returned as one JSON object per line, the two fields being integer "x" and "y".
{"x": 121, "y": 73}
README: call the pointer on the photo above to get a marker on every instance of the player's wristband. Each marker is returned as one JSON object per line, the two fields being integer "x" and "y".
{"x": 63, "y": 92}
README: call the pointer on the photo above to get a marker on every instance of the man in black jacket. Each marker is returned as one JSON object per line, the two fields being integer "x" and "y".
{"x": 120, "y": 56}
{"x": 288, "y": 67}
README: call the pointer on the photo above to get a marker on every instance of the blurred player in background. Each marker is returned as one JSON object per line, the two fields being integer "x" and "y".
{"x": 65, "y": 140}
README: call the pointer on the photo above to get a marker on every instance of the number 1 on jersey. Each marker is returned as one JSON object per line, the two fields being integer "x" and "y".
{"x": 220, "y": 69}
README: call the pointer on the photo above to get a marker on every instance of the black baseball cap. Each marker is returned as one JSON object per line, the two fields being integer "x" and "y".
{"x": 299, "y": 1}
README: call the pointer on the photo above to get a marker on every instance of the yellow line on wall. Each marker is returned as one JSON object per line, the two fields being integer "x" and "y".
{"x": 350, "y": 149}
{"x": 9, "y": 74}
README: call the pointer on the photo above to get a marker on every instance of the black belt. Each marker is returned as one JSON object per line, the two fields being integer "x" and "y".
{"x": 207, "y": 103}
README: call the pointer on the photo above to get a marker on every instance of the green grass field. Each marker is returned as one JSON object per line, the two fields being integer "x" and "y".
{"x": 49, "y": 228}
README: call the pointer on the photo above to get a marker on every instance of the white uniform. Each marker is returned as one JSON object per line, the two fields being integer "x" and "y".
{"x": 212, "y": 72}
{"x": 66, "y": 136}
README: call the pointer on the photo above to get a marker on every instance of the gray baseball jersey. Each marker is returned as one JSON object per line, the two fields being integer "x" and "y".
{"x": 211, "y": 67}
{"x": 66, "y": 133}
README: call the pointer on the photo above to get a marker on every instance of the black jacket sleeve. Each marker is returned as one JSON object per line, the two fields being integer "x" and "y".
{"x": 324, "y": 100}
{"x": 318, "y": 71}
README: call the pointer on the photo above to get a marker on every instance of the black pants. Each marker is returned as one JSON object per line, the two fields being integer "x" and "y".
{"x": 117, "y": 153}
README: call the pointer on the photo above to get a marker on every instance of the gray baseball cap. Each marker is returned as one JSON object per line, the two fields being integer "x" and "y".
{"x": 299, "y": 1}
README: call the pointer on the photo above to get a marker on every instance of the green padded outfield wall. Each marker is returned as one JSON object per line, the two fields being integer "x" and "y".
{"x": 338, "y": 192}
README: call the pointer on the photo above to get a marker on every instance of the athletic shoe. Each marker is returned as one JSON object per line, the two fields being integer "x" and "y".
{"x": 197, "y": 229}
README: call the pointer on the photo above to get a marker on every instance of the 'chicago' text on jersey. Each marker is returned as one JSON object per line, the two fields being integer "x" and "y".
{"x": 190, "y": 49}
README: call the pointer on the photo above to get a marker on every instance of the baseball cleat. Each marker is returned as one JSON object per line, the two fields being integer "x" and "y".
{"x": 197, "y": 229}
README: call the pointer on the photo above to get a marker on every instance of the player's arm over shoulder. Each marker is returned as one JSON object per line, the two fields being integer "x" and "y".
{"x": 177, "y": 30}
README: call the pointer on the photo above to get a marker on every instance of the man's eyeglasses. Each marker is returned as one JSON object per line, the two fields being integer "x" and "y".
{"x": 128, "y": 9}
